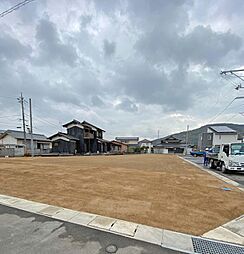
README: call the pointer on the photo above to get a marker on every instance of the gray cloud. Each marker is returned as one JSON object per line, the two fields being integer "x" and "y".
{"x": 168, "y": 56}
{"x": 12, "y": 49}
{"x": 109, "y": 48}
{"x": 86, "y": 20}
{"x": 201, "y": 46}
{"x": 204, "y": 45}
{"x": 52, "y": 49}
{"x": 127, "y": 105}
{"x": 96, "y": 101}
{"x": 148, "y": 85}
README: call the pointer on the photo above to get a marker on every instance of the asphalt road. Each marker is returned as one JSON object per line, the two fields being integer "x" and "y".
{"x": 235, "y": 176}
{"x": 26, "y": 233}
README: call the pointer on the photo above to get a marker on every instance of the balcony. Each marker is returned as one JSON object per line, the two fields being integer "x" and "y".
{"x": 88, "y": 135}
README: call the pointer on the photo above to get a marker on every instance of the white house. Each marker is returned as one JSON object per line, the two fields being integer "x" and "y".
{"x": 12, "y": 139}
{"x": 222, "y": 135}
{"x": 147, "y": 144}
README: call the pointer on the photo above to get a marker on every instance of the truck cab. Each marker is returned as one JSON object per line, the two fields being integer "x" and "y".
{"x": 231, "y": 157}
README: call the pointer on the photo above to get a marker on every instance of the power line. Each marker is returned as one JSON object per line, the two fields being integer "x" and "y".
{"x": 226, "y": 107}
{"x": 231, "y": 81}
{"x": 7, "y": 97}
{"x": 8, "y": 116}
{"x": 234, "y": 73}
{"x": 232, "y": 117}
{"x": 222, "y": 111}
{"x": 15, "y": 7}
{"x": 44, "y": 121}
{"x": 39, "y": 109}
{"x": 7, "y": 124}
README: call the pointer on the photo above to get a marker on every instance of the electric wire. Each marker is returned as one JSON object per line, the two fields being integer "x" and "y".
{"x": 15, "y": 7}
{"x": 222, "y": 111}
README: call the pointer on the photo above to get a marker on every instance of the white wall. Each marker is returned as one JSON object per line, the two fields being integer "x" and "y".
{"x": 129, "y": 142}
{"x": 8, "y": 140}
{"x": 145, "y": 144}
{"x": 161, "y": 150}
{"x": 224, "y": 139}
{"x": 219, "y": 139}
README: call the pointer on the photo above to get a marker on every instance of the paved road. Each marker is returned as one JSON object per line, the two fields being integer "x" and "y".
{"x": 26, "y": 233}
{"x": 235, "y": 176}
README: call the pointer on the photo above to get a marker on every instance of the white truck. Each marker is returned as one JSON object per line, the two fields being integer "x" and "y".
{"x": 226, "y": 157}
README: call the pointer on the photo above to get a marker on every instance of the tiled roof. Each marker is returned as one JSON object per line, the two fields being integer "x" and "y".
{"x": 20, "y": 135}
{"x": 127, "y": 138}
{"x": 61, "y": 134}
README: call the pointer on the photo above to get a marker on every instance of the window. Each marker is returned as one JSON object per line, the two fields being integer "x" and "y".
{"x": 216, "y": 149}
{"x": 226, "y": 149}
{"x": 38, "y": 146}
{"x": 237, "y": 149}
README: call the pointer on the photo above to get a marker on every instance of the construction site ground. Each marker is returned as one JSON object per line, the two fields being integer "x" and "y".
{"x": 157, "y": 190}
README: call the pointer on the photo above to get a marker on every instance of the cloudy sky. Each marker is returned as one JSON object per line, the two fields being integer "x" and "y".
{"x": 131, "y": 67}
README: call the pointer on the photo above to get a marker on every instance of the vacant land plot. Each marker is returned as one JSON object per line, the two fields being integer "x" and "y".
{"x": 157, "y": 190}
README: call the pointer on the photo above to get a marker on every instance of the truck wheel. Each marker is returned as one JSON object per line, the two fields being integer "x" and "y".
{"x": 211, "y": 164}
{"x": 224, "y": 169}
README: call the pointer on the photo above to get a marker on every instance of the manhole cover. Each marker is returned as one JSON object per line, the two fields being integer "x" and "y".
{"x": 111, "y": 249}
{"x": 203, "y": 246}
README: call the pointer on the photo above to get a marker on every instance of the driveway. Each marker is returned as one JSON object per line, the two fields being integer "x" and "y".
{"x": 235, "y": 176}
{"x": 26, "y": 233}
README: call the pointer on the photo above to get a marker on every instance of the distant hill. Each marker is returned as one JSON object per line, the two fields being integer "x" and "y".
{"x": 194, "y": 134}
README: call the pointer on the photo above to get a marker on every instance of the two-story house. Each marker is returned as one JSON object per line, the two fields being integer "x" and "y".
{"x": 217, "y": 135}
{"x": 81, "y": 138}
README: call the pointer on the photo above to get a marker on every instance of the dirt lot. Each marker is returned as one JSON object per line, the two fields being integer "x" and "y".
{"x": 157, "y": 190}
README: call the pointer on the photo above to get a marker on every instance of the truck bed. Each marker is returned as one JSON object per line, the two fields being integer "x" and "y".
{"x": 212, "y": 155}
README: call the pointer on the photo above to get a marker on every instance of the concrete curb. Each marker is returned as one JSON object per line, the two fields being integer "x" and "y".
{"x": 223, "y": 178}
{"x": 233, "y": 230}
{"x": 165, "y": 238}
{"x": 162, "y": 237}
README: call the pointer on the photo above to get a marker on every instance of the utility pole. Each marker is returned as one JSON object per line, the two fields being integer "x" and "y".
{"x": 21, "y": 100}
{"x": 31, "y": 129}
{"x": 187, "y": 138}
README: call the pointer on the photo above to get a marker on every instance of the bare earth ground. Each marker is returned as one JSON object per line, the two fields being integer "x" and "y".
{"x": 157, "y": 190}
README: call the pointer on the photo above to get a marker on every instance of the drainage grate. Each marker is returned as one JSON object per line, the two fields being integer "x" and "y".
{"x": 203, "y": 246}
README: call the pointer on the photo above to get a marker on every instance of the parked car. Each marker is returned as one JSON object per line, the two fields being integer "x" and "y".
{"x": 197, "y": 153}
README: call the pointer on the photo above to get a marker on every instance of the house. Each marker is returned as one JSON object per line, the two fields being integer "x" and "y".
{"x": 81, "y": 138}
{"x": 217, "y": 135}
{"x": 146, "y": 145}
{"x": 117, "y": 147}
{"x": 168, "y": 144}
{"x": 132, "y": 142}
{"x": 13, "y": 139}
{"x": 63, "y": 143}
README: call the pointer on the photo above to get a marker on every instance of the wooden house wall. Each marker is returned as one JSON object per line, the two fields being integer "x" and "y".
{"x": 62, "y": 146}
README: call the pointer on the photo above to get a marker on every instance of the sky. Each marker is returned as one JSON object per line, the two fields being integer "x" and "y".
{"x": 133, "y": 68}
